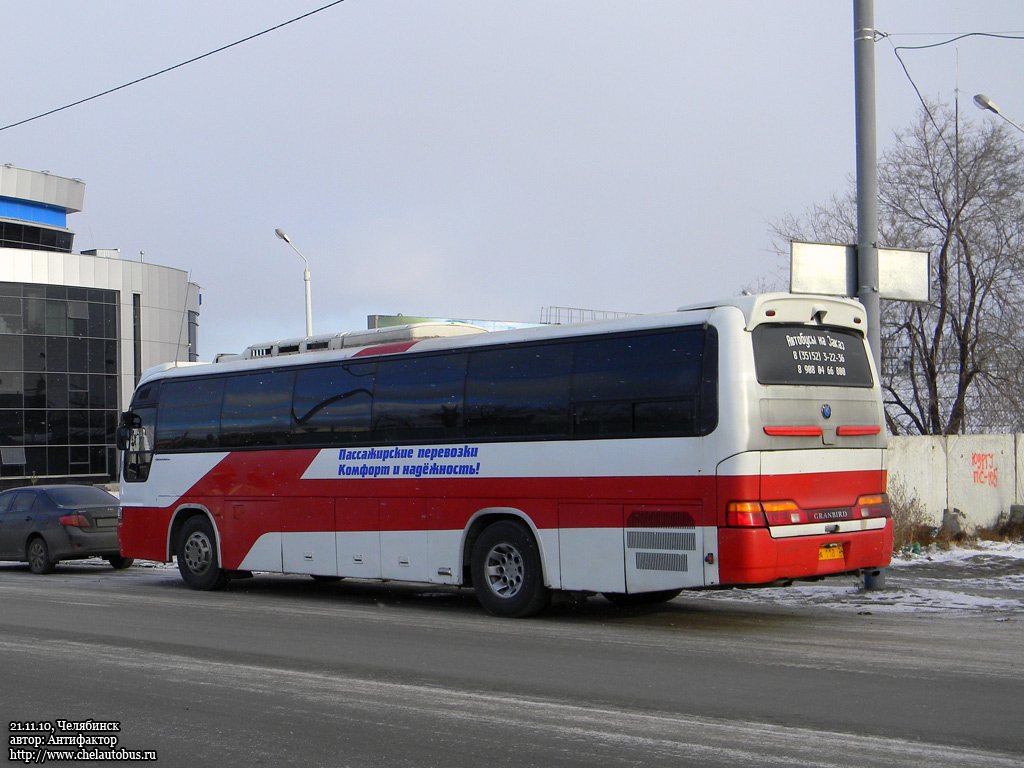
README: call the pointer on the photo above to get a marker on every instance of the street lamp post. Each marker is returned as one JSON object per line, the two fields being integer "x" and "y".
{"x": 984, "y": 102}
{"x": 309, "y": 303}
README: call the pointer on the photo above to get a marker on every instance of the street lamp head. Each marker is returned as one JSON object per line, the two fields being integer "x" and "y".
{"x": 309, "y": 311}
{"x": 984, "y": 102}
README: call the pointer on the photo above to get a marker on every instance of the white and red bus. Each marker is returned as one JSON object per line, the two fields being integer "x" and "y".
{"x": 739, "y": 443}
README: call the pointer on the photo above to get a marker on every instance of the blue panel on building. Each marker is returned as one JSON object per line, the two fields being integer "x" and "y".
{"x": 35, "y": 212}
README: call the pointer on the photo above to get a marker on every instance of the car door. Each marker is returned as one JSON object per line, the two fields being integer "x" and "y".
{"x": 17, "y": 522}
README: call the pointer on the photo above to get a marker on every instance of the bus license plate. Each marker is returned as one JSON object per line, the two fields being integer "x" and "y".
{"x": 830, "y": 552}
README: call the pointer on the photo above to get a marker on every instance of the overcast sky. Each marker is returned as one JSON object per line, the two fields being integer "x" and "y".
{"x": 466, "y": 158}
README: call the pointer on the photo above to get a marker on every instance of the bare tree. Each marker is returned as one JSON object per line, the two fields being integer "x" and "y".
{"x": 955, "y": 187}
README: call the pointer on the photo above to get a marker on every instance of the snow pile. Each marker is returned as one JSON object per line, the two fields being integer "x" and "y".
{"x": 987, "y": 577}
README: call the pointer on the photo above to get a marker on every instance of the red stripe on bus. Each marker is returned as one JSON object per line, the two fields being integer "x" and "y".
{"x": 250, "y": 493}
{"x": 385, "y": 349}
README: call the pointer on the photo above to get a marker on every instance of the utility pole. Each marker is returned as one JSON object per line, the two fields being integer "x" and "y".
{"x": 867, "y": 171}
{"x": 867, "y": 194}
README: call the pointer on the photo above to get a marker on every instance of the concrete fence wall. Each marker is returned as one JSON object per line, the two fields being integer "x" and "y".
{"x": 981, "y": 475}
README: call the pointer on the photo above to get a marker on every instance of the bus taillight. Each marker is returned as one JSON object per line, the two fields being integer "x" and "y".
{"x": 758, "y": 514}
{"x": 745, "y": 514}
{"x": 783, "y": 513}
{"x": 876, "y": 505}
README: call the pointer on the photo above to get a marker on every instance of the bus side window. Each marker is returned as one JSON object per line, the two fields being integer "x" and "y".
{"x": 419, "y": 398}
{"x": 519, "y": 391}
{"x": 332, "y": 404}
{"x": 189, "y": 414}
{"x": 639, "y": 385}
{"x": 257, "y": 409}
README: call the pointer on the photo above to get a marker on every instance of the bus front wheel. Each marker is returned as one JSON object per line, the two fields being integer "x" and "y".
{"x": 198, "y": 563}
{"x": 506, "y": 569}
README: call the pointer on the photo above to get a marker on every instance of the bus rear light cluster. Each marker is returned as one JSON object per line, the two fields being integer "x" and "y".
{"x": 783, "y": 513}
{"x": 745, "y": 514}
{"x": 876, "y": 505}
{"x": 759, "y": 514}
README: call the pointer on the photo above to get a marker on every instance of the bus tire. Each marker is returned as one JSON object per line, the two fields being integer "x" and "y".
{"x": 642, "y": 598}
{"x": 506, "y": 569}
{"x": 119, "y": 563}
{"x": 196, "y": 551}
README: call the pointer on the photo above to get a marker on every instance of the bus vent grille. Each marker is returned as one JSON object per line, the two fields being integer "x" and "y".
{"x": 660, "y": 561}
{"x": 679, "y": 542}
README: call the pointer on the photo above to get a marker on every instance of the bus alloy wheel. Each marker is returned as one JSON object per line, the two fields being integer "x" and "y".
{"x": 506, "y": 569}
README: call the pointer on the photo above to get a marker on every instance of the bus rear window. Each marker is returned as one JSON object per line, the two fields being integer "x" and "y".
{"x": 810, "y": 355}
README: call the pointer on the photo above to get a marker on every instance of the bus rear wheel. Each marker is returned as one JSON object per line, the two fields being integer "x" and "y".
{"x": 196, "y": 551}
{"x": 506, "y": 569}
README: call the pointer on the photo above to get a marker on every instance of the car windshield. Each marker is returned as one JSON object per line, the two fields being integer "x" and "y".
{"x": 80, "y": 496}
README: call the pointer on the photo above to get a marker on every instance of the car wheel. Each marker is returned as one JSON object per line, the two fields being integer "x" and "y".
{"x": 120, "y": 563}
{"x": 642, "y": 598}
{"x": 196, "y": 551}
{"x": 506, "y": 569}
{"x": 39, "y": 556}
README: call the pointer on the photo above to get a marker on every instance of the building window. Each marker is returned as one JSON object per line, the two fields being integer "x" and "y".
{"x": 58, "y": 380}
{"x": 193, "y": 336}
{"x": 137, "y": 335}
{"x": 20, "y": 235}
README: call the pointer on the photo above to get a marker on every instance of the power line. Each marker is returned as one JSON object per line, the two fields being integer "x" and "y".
{"x": 896, "y": 50}
{"x": 998, "y": 35}
{"x": 939, "y": 132}
{"x": 170, "y": 69}
{"x": 1006, "y": 33}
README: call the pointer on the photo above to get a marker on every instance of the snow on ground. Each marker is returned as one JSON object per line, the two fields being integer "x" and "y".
{"x": 984, "y": 578}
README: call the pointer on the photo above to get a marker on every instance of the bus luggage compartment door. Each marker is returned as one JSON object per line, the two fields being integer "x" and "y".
{"x": 663, "y": 548}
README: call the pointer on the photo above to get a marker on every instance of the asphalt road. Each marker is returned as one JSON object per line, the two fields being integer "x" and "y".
{"x": 282, "y": 669}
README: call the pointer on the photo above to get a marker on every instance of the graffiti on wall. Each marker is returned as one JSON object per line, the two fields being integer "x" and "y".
{"x": 985, "y": 470}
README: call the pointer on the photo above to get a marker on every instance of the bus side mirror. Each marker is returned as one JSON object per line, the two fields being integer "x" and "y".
{"x": 124, "y": 429}
{"x": 121, "y": 438}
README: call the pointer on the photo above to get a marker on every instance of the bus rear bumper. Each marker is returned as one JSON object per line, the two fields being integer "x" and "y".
{"x": 751, "y": 556}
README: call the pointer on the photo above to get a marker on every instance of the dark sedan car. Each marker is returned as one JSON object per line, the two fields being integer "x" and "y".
{"x": 44, "y": 524}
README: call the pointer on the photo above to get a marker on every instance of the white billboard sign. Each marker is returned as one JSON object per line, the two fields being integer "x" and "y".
{"x": 832, "y": 270}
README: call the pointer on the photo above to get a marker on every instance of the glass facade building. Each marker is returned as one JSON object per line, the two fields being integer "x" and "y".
{"x": 76, "y": 332}
{"x": 58, "y": 380}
